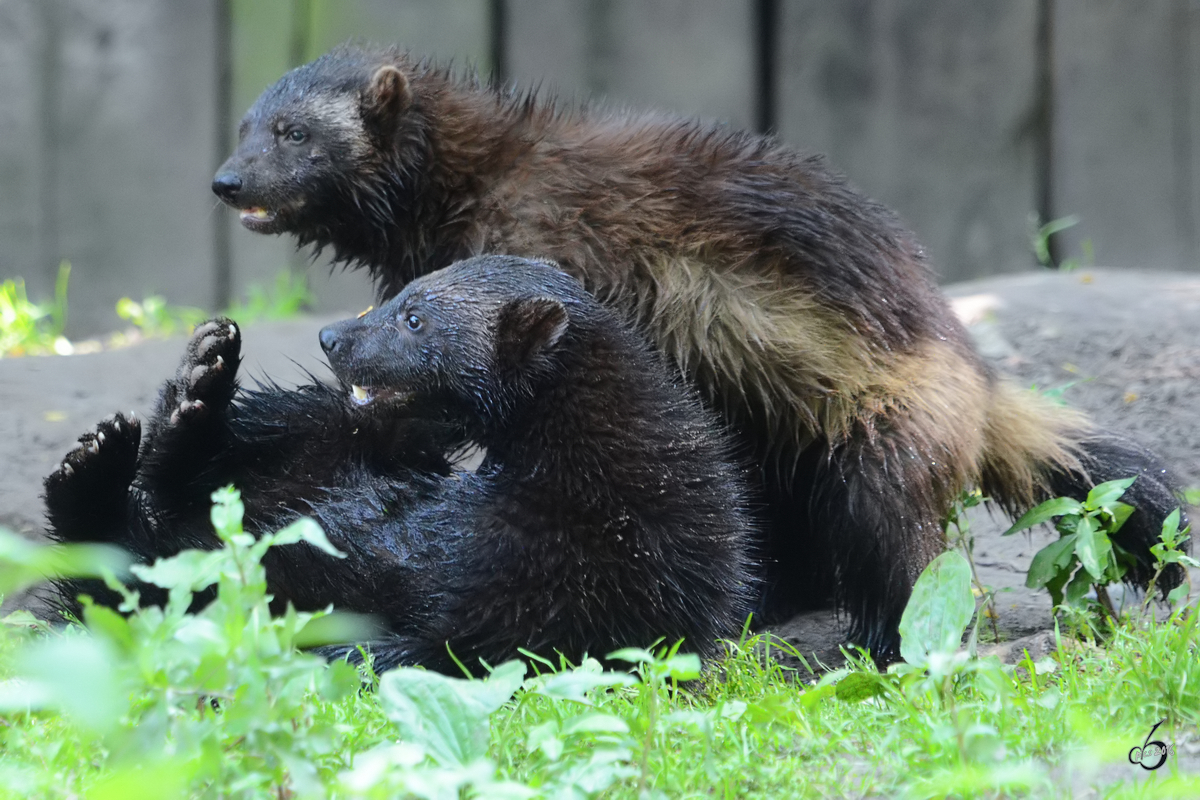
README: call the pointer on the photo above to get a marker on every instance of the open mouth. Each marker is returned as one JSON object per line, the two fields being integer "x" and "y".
{"x": 366, "y": 395}
{"x": 258, "y": 219}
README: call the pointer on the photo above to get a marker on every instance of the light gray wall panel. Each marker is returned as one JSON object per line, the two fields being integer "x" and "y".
{"x": 124, "y": 165}
{"x": 1125, "y": 130}
{"x": 927, "y": 106}
{"x": 692, "y": 57}
{"x": 23, "y": 150}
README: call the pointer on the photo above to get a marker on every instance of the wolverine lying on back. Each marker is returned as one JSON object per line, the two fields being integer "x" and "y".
{"x": 605, "y": 514}
{"x": 805, "y": 312}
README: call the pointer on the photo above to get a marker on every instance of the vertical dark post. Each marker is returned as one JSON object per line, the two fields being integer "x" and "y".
{"x": 300, "y": 42}
{"x": 223, "y": 102}
{"x": 49, "y": 122}
{"x": 498, "y": 41}
{"x": 1181, "y": 130}
{"x": 766, "y": 47}
{"x": 300, "y": 45}
{"x": 1044, "y": 125}
{"x": 601, "y": 46}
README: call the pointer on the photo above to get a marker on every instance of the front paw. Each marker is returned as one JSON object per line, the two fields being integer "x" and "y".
{"x": 93, "y": 479}
{"x": 207, "y": 377}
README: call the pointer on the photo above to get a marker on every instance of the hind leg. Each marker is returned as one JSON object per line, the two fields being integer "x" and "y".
{"x": 189, "y": 425}
{"x": 87, "y": 497}
{"x": 1153, "y": 495}
{"x": 879, "y": 508}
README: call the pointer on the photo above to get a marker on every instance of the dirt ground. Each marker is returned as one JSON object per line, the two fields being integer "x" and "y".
{"x": 1124, "y": 340}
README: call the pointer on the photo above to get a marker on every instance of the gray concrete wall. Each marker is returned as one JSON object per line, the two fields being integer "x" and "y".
{"x": 965, "y": 117}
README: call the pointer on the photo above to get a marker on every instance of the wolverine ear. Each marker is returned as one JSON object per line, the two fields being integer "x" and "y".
{"x": 386, "y": 96}
{"x": 527, "y": 328}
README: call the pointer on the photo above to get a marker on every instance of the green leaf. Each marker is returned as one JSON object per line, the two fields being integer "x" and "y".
{"x": 595, "y": 722}
{"x": 1058, "y": 581}
{"x": 1178, "y": 594}
{"x": 939, "y": 610}
{"x": 154, "y": 780}
{"x": 447, "y": 716}
{"x": 858, "y": 686}
{"x": 227, "y": 511}
{"x": 634, "y": 655}
{"x": 575, "y": 685}
{"x": 1105, "y": 494}
{"x": 1120, "y": 513}
{"x": 430, "y": 710}
{"x": 1050, "y": 562}
{"x": 192, "y": 569}
{"x": 80, "y": 675}
{"x": 1170, "y": 527}
{"x": 1057, "y": 507}
{"x": 24, "y": 563}
{"x": 809, "y": 698}
{"x": 337, "y": 627}
{"x": 1091, "y": 546}
{"x": 779, "y": 707}
{"x": 683, "y": 667}
{"x": 500, "y": 685}
{"x": 307, "y": 530}
{"x": 1077, "y": 589}
{"x": 104, "y": 621}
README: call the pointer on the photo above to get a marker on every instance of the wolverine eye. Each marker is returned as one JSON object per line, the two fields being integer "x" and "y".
{"x": 413, "y": 323}
{"x": 297, "y": 136}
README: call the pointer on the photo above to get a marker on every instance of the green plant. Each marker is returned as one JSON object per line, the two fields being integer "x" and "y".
{"x": 24, "y": 564}
{"x": 1085, "y": 555}
{"x": 1168, "y": 551}
{"x": 171, "y": 702}
{"x": 1039, "y": 239}
{"x": 961, "y": 538}
{"x": 33, "y": 328}
{"x": 289, "y": 296}
{"x": 216, "y": 698}
{"x": 155, "y": 317}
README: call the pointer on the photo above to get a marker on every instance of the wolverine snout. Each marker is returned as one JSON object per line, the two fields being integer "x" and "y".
{"x": 227, "y": 185}
{"x": 329, "y": 339}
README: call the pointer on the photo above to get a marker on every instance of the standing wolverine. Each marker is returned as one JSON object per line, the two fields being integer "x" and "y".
{"x": 804, "y": 311}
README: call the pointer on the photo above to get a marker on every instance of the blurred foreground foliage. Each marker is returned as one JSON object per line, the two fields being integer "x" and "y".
{"x": 167, "y": 702}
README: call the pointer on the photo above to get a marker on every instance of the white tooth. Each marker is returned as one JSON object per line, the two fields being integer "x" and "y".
{"x": 261, "y": 213}
{"x": 100, "y": 436}
{"x": 67, "y": 468}
{"x": 359, "y": 392}
{"x": 93, "y": 448}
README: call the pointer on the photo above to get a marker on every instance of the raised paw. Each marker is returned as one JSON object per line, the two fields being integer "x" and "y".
{"x": 206, "y": 380}
{"x": 93, "y": 480}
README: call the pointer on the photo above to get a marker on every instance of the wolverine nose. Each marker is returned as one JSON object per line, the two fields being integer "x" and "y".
{"x": 227, "y": 185}
{"x": 329, "y": 339}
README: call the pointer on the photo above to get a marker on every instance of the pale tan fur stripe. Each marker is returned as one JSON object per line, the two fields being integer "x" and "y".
{"x": 1027, "y": 436}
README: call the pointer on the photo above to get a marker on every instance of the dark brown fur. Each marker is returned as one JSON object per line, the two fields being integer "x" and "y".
{"x": 804, "y": 311}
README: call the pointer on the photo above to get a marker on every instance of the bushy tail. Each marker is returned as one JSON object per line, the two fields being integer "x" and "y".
{"x": 1036, "y": 449}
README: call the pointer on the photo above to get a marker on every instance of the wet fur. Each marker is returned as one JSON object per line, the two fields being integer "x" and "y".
{"x": 804, "y": 312}
{"x": 606, "y": 513}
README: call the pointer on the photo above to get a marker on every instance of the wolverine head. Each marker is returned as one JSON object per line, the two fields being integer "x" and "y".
{"x": 319, "y": 149}
{"x": 480, "y": 336}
